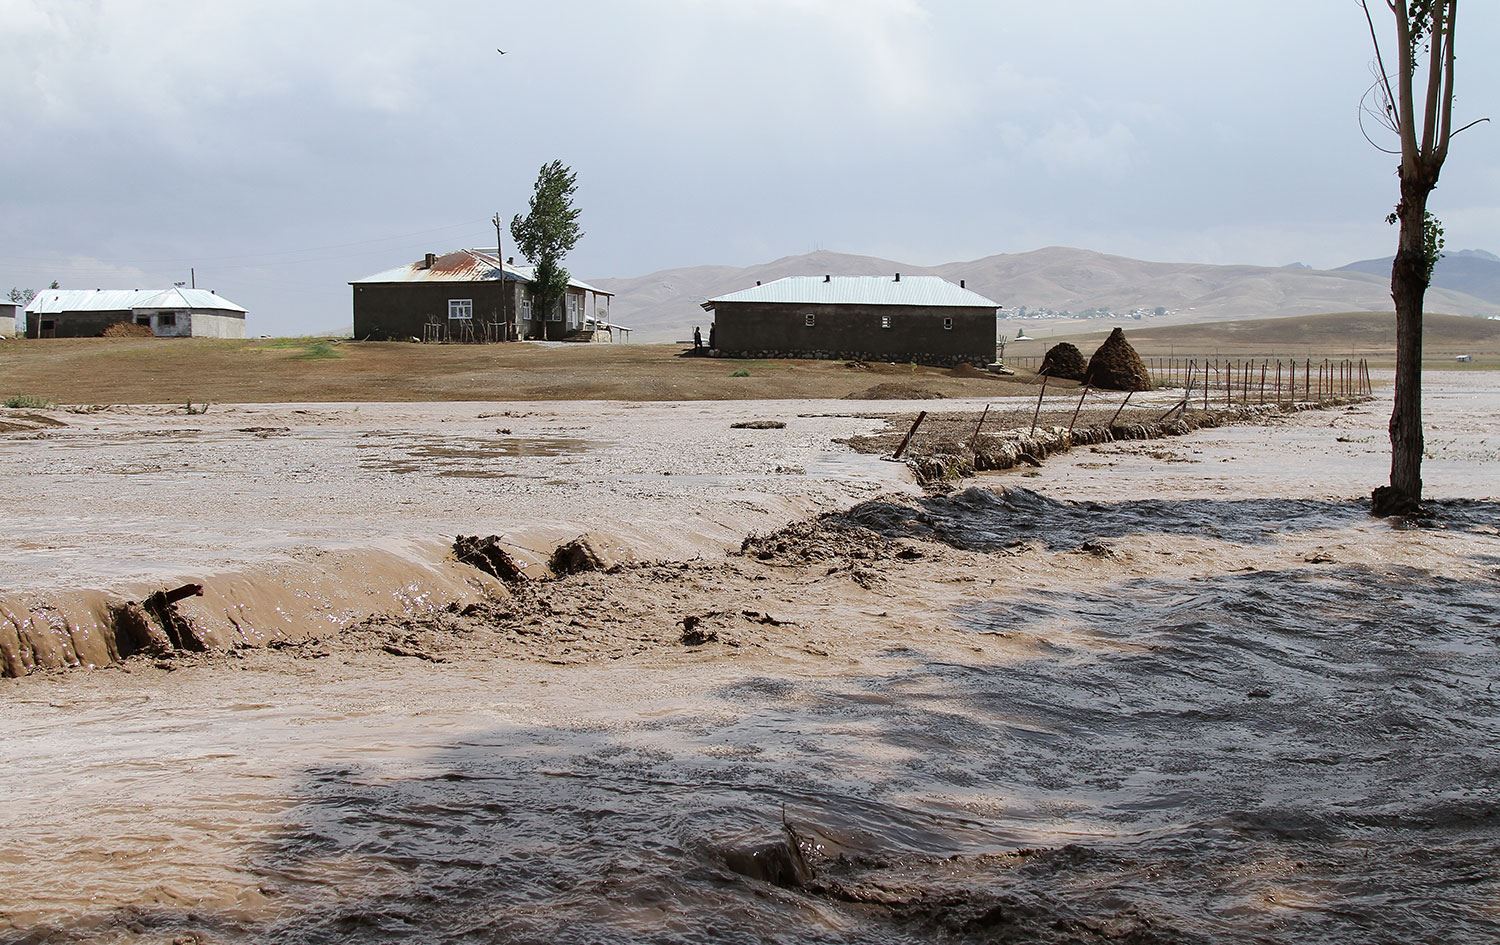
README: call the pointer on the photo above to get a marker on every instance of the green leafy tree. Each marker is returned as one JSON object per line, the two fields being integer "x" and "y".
{"x": 22, "y": 296}
{"x": 547, "y": 233}
{"x": 1418, "y": 111}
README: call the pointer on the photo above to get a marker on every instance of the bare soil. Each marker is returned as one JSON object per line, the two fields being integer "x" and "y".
{"x": 176, "y": 370}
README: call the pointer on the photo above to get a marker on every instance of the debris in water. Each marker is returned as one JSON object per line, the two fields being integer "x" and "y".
{"x": 694, "y": 634}
{"x": 577, "y": 556}
{"x": 489, "y": 556}
{"x": 781, "y": 862}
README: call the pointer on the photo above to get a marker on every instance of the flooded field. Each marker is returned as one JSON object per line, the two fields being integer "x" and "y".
{"x": 1179, "y": 691}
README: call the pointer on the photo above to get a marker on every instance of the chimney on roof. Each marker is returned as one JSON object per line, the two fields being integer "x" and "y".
{"x": 898, "y": 277}
{"x": 828, "y": 278}
{"x": 757, "y": 282}
{"x": 510, "y": 260}
{"x": 961, "y": 284}
{"x": 428, "y": 260}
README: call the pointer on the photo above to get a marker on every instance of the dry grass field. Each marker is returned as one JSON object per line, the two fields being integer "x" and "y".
{"x": 164, "y": 370}
{"x": 1346, "y": 334}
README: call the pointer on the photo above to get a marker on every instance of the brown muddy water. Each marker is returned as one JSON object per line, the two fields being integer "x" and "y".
{"x": 1150, "y": 711}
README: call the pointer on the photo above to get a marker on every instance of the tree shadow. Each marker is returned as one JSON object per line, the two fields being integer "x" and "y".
{"x": 1278, "y": 756}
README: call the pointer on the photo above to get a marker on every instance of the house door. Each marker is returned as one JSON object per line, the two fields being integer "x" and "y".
{"x": 48, "y": 329}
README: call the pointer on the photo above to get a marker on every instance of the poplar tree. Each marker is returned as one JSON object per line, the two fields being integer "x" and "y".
{"x": 547, "y": 233}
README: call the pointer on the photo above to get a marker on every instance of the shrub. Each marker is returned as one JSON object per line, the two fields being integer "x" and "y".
{"x": 740, "y": 373}
{"x": 29, "y": 401}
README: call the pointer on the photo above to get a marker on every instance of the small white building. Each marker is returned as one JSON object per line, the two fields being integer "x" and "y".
{"x": 8, "y": 312}
{"x": 169, "y": 313}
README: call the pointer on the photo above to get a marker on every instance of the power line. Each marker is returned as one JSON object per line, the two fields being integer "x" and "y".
{"x": 185, "y": 260}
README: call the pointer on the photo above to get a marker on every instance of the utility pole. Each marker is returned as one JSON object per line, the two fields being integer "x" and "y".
{"x": 193, "y": 274}
{"x": 511, "y": 333}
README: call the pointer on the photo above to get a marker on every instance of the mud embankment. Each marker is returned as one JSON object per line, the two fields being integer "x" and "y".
{"x": 277, "y": 604}
{"x": 940, "y": 462}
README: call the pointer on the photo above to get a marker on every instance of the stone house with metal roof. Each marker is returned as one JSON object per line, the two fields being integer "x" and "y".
{"x": 918, "y": 319}
{"x": 470, "y": 295}
{"x": 170, "y": 313}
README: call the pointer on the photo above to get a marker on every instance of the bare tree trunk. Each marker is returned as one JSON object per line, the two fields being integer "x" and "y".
{"x": 1409, "y": 279}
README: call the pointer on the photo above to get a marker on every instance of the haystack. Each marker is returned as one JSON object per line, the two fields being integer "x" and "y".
{"x": 127, "y": 330}
{"x": 1064, "y": 360}
{"x": 1116, "y": 366}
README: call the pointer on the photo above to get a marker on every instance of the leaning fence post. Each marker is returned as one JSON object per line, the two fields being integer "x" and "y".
{"x": 979, "y": 426}
{"x": 1040, "y": 394}
{"x": 1078, "y": 409}
{"x": 1122, "y": 407}
{"x": 909, "y": 433}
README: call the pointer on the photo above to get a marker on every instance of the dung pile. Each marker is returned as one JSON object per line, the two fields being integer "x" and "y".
{"x": 1064, "y": 360}
{"x": 1116, "y": 366}
{"x": 895, "y": 392}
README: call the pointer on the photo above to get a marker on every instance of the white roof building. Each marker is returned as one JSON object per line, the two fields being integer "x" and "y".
{"x": 170, "y": 313}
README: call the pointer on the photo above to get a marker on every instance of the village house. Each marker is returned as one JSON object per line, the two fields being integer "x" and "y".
{"x": 469, "y": 295}
{"x": 8, "y": 312}
{"x": 921, "y": 319}
{"x": 170, "y": 313}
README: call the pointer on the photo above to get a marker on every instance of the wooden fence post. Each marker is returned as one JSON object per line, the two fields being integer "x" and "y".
{"x": 1078, "y": 409}
{"x": 909, "y": 434}
{"x": 1040, "y": 394}
{"x": 979, "y": 426}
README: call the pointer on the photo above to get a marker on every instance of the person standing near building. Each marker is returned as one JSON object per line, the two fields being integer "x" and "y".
{"x": 697, "y": 339}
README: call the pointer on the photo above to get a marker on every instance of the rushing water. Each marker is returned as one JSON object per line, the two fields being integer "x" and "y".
{"x": 1299, "y": 750}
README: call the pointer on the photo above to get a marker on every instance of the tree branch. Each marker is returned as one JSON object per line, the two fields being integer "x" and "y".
{"x": 1405, "y": 106}
{"x": 1385, "y": 78}
{"x": 1471, "y": 124}
{"x": 1435, "y": 45}
{"x": 1446, "y": 134}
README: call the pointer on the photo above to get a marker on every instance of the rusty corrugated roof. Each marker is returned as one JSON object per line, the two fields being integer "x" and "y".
{"x": 464, "y": 265}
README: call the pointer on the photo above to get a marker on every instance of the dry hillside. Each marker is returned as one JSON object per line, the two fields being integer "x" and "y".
{"x": 664, "y": 306}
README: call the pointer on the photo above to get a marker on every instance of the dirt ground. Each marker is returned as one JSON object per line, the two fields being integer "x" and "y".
{"x": 176, "y": 370}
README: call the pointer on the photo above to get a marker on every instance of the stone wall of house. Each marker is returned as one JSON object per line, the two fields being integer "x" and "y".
{"x": 74, "y": 324}
{"x": 937, "y": 335}
{"x": 397, "y": 311}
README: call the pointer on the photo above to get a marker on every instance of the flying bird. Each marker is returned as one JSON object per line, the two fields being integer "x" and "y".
{"x": 500, "y": 51}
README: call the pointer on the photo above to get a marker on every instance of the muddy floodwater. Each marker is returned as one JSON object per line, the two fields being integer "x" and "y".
{"x": 1170, "y": 691}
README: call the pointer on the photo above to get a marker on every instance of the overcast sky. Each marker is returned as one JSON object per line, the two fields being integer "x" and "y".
{"x": 284, "y": 147}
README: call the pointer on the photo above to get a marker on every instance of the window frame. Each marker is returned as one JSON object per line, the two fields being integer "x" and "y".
{"x": 947, "y": 323}
{"x": 166, "y": 320}
{"x": 809, "y": 320}
{"x": 464, "y": 308}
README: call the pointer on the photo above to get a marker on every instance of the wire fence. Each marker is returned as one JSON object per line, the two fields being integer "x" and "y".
{"x": 1253, "y": 380}
{"x": 1207, "y": 385}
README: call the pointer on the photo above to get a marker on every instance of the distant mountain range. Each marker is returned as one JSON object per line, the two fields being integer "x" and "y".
{"x": 664, "y": 305}
{"x": 1470, "y": 271}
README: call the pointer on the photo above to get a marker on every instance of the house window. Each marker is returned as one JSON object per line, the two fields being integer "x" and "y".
{"x": 809, "y": 319}
{"x": 526, "y": 307}
{"x": 143, "y": 320}
{"x": 947, "y": 324}
{"x": 555, "y": 313}
{"x": 460, "y": 308}
{"x": 885, "y": 321}
{"x": 166, "y": 320}
{"x": 573, "y": 310}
